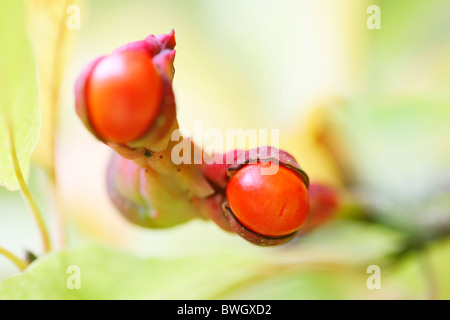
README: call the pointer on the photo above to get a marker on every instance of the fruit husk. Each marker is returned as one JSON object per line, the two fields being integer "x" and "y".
{"x": 261, "y": 155}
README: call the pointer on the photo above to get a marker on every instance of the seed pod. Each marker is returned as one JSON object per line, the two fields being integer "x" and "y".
{"x": 267, "y": 198}
{"x": 149, "y": 199}
{"x": 123, "y": 186}
{"x": 324, "y": 203}
{"x": 126, "y": 100}
{"x": 134, "y": 82}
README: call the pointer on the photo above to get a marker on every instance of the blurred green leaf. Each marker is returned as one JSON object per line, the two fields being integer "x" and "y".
{"x": 424, "y": 274}
{"x": 109, "y": 274}
{"x": 356, "y": 241}
{"x": 309, "y": 285}
{"x": 410, "y": 52}
{"x": 394, "y": 153}
{"x": 19, "y": 96}
{"x": 318, "y": 267}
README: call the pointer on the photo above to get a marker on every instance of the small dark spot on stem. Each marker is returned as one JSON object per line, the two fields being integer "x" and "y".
{"x": 178, "y": 169}
{"x": 147, "y": 153}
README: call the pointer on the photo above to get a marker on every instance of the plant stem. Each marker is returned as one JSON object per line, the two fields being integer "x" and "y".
{"x": 28, "y": 196}
{"x": 21, "y": 264}
{"x": 428, "y": 271}
{"x": 54, "y": 89}
{"x": 56, "y": 75}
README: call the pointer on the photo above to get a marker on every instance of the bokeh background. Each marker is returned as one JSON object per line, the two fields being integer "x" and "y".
{"x": 364, "y": 111}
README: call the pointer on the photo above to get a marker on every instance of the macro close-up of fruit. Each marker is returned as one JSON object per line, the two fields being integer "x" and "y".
{"x": 271, "y": 205}
{"x": 232, "y": 151}
{"x": 121, "y": 99}
{"x": 117, "y": 90}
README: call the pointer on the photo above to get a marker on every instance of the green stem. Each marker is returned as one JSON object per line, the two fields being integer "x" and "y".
{"x": 56, "y": 76}
{"x": 28, "y": 196}
{"x": 54, "y": 114}
{"x": 21, "y": 264}
{"x": 429, "y": 274}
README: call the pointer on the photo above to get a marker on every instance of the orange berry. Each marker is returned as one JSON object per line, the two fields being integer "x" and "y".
{"x": 123, "y": 96}
{"x": 269, "y": 205}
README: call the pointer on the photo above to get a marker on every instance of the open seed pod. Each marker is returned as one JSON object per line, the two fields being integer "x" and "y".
{"x": 266, "y": 196}
{"x": 134, "y": 82}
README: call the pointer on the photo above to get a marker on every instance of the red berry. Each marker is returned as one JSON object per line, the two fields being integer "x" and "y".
{"x": 269, "y": 205}
{"x": 123, "y": 96}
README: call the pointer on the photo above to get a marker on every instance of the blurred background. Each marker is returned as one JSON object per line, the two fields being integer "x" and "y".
{"x": 364, "y": 111}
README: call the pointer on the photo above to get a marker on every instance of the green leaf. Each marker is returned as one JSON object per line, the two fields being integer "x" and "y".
{"x": 309, "y": 285}
{"x": 109, "y": 274}
{"x": 307, "y": 268}
{"x": 19, "y": 95}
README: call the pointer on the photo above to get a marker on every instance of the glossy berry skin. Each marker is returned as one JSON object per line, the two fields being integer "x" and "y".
{"x": 123, "y": 96}
{"x": 269, "y": 205}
